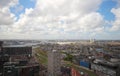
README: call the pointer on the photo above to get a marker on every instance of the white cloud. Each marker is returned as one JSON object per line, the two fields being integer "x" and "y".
{"x": 116, "y": 23}
{"x": 91, "y": 22}
{"x": 67, "y": 7}
{"x": 55, "y": 18}
{"x": 7, "y": 3}
{"x": 6, "y": 17}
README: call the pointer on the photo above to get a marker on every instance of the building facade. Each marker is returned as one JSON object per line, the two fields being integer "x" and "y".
{"x": 54, "y": 63}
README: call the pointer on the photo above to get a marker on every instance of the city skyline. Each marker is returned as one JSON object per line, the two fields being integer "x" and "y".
{"x": 60, "y": 19}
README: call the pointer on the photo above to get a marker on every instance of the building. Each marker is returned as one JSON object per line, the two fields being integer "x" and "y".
{"x": 16, "y": 69}
{"x": 105, "y": 70}
{"x": 16, "y": 50}
{"x": 75, "y": 72}
{"x": 1, "y": 44}
{"x": 54, "y": 63}
{"x": 17, "y": 60}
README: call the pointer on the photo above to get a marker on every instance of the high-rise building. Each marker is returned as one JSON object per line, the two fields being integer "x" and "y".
{"x": 54, "y": 63}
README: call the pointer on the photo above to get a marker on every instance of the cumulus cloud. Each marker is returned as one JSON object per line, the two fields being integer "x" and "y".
{"x": 7, "y": 3}
{"x": 59, "y": 18}
{"x": 92, "y": 22}
{"x": 62, "y": 14}
{"x": 67, "y": 7}
{"x": 116, "y": 23}
{"x": 6, "y": 17}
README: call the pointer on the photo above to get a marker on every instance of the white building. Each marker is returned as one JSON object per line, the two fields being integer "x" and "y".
{"x": 54, "y": 63}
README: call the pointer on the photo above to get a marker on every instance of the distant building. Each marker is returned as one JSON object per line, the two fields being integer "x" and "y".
{"x": 92, "y": 40}
{"x": 54, "y": 63}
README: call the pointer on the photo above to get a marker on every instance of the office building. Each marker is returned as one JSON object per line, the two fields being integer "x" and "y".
{"x": 54, "y": 63}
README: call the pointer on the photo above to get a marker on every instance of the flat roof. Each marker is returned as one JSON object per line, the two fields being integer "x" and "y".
{"x": 17, "y": 46}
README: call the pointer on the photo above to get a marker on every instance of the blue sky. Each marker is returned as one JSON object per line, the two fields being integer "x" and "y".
{"x": 104, "y": 9}
{"x": 60, "y": 19}
{"x": 25, "y": 4}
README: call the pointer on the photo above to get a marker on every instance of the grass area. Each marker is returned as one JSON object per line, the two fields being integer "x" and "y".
{"x": 42, "y": 56}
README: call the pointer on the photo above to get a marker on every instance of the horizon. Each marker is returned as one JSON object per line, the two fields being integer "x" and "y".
{"x": 61, "y": 39}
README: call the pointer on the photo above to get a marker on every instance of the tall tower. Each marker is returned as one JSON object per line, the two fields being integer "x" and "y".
{"x": 54, "y": 63}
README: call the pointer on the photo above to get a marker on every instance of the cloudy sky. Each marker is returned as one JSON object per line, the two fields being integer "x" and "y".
{"x": 59, "y": 19}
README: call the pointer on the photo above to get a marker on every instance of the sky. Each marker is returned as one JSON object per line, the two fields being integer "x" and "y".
{"x": 60, "y": 19}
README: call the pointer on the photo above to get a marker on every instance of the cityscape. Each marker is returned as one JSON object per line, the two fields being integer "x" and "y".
{"x": 59, "y": 37}
{"x": 59, "y": 58}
